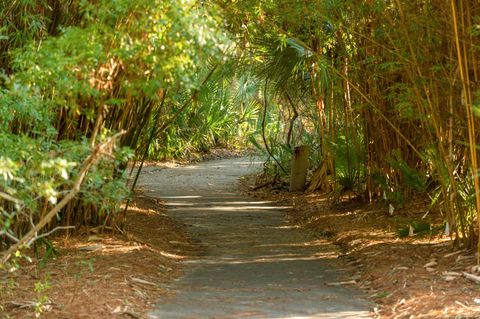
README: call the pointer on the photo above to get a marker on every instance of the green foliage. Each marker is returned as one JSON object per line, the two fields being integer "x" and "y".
{"x": 82, "y": 265}
{"x": 223, "y": 113}
{"x": 349, "y": 159}
{"x": 50, "y": 251}
{"x": 41, "y": 288}
{"x": 418, "y": 228}
{"x": 381, "y": 295}
{"x": 36, "y": 171}
{"x": 393, "y": 79}
{"x": 412, "y": 177}
{"x": 374, "y": 88}
{"x": 67, "y": 70}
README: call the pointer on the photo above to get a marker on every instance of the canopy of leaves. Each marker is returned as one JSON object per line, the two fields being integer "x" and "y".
{"x": 384, "y": 92}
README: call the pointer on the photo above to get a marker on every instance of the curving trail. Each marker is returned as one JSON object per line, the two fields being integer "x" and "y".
{"x": 254, "y": 264}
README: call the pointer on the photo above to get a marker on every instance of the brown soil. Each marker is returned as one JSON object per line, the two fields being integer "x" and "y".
{"x": 390, "y": 269}
{"x": 113, "y": 275}
{"x": 101, "y": 275}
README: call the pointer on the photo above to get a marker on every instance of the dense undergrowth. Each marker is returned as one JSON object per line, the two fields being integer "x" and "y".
{"x": 385, "y": 94}
{"x": 75, "y": 73}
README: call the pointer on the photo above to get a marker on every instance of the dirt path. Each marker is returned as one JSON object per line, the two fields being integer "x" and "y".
{"x": 253, "y": 264}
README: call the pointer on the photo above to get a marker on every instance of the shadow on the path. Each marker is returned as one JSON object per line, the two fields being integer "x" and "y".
{"x": 254, "y": 264}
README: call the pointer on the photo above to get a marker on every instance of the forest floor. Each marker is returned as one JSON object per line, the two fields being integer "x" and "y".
{"x": 104, "y": 274}
{"x": 420, "y": 276}
{"x": 101, "y": 275}
{"x": 122, "y": 275}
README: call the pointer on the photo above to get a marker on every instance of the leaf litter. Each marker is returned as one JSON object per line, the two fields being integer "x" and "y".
{"x": 103, "y": 275}
{"x": 413, "y": 276}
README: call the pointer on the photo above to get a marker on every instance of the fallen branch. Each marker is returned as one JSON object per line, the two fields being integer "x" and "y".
{"x": 472, "y": 277}
{"x": 254, "y": 188}
{"x": 94, "y": 156}
{"x": 142, "y": 281}
{"x": 454, "y": 253}
{"x": 129, "y": 313}
{"x": 28, "y": 304}
{"x": 22, "y": 305}
{"x": 462, "y": 305}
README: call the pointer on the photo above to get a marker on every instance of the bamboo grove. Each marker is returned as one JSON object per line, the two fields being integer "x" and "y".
{"x": 385, "y": 93}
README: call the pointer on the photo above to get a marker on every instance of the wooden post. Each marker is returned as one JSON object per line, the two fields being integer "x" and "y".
{"x": 298, "y": 175}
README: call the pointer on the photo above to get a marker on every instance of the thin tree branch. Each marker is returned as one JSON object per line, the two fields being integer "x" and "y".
{"x": 186, "y": 104}
{"x": 292, "y": 120}
{"x": 6, "y": 233}
{"x": 94, "y": 156}
{"x": 264, "y": 119}
{"x": 144, "y": 156}
{"x": 156, "y": 131}
{"x": 34, "y": 239}
{"x": 10, "y": 198}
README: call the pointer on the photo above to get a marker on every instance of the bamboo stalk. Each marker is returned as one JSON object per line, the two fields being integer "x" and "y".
{"x": 462, "y": 63}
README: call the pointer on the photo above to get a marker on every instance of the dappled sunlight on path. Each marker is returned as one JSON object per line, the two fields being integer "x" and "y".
{"x": 253, "y": 263}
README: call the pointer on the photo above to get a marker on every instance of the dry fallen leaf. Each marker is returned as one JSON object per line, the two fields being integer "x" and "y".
{"x": 431, "y": 264}
{"x": 142, "y": 281}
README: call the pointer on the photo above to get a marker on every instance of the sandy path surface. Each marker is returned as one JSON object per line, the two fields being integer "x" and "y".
{"x": 254, "y": 264}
